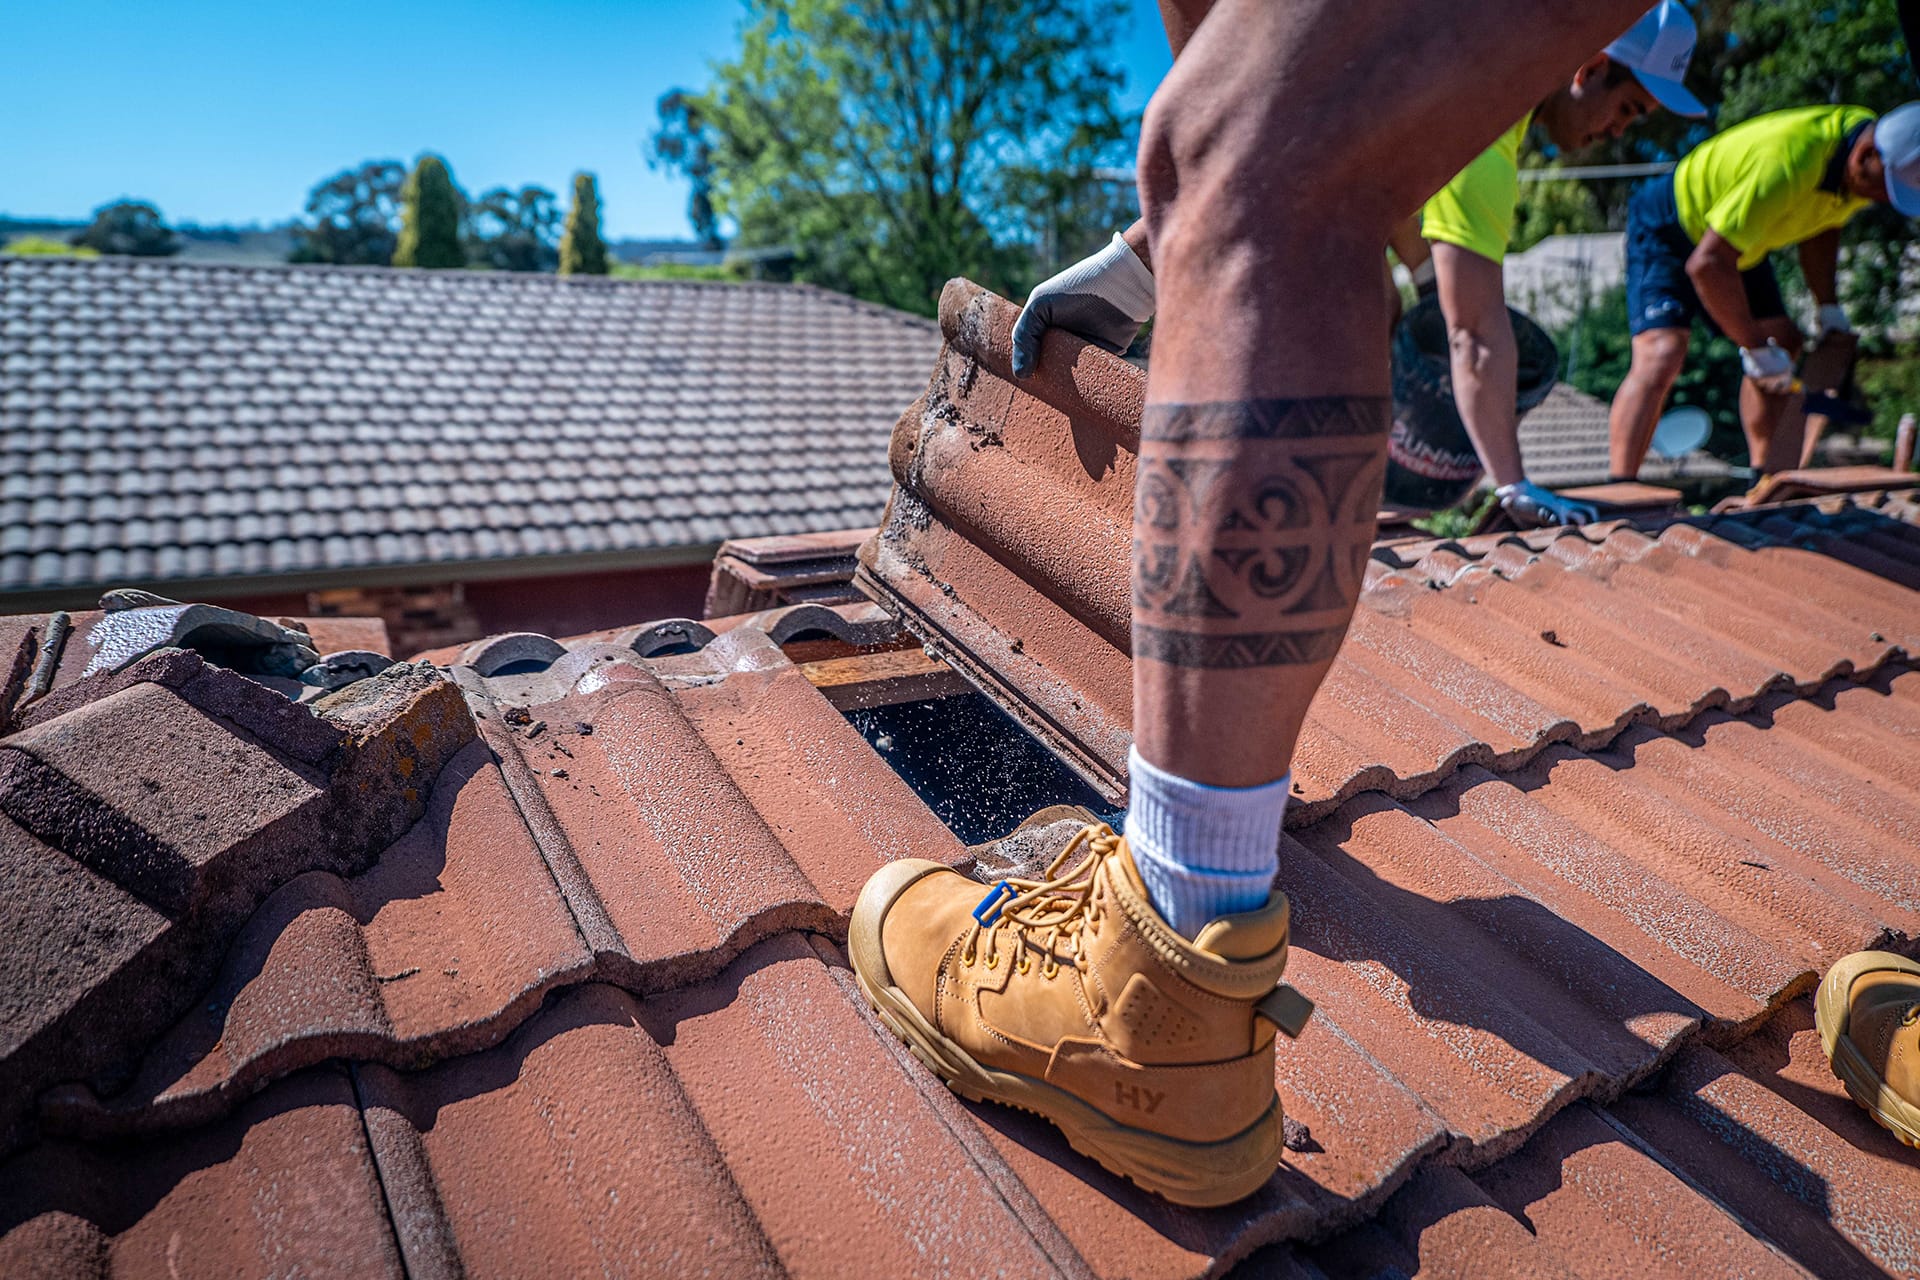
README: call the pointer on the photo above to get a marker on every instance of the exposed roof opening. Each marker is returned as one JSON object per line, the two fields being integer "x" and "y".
{"x": 980, "y": 772}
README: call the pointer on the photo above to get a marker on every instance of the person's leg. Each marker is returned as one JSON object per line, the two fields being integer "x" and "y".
{"x": 1181, "y": 19}
{"x": 1661, "y": 306}
{"x": 1274, "y": 161}
{"x": 1773, "y": 434}
{"x": 1264, "y": 440}
{"x": 1658, "y": 357}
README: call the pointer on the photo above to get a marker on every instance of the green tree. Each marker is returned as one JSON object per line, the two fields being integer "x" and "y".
{"x": 355, "y": 215}
{"x": 893, "y": 145}
{"x": 431, "y": 216}
{"x": 514, "y": 230}
{"x": 683, "y": 142}
{"x": 128, "y": 227}
{"x": 581, "y": 251}
{"x": 1554, "y": 207}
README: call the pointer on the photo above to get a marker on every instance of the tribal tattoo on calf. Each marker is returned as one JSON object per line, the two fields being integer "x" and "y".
{"x": 1252, "y": 523}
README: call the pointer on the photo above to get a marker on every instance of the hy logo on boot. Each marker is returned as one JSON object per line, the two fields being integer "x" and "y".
{"x": 1139, "y": 1097}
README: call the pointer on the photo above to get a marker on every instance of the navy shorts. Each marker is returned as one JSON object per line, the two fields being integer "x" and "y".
{"x": 1659, "y": 293}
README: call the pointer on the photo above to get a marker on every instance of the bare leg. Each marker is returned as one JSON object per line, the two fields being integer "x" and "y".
{"x": 1817, "y": 424}
{"x": 1182, "y": 18}
{"x": 1773, "y": 442}
{"x": 1658, "y": 357}
{"x": 1275, "y": 160}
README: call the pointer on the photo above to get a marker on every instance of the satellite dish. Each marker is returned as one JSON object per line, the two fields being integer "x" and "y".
{"x": 1681, "y": 431}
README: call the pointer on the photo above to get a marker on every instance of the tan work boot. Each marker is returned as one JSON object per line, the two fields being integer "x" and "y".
{"x": 1868, "y": 1014}
{"x": 1070, "y": 997}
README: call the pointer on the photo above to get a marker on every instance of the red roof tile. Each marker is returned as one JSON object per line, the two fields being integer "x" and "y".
{"x": 1559, "y": 902}
{"x": 1008, "y": 553}
{"x": 286, "y": 1183}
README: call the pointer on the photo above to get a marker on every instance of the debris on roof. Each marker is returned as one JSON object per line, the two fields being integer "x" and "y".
{"x": 167, "y": 421}
{"x": 753, "y": 574}
{"x": 536, "y": 963}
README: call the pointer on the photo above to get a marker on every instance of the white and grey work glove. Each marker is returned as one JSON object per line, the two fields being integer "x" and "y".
{"x": 1536, "y": 508}
{"x": 1832, "y": 318}
{"x": 1104, "y": 299}
{"x": 1770, "y": 367}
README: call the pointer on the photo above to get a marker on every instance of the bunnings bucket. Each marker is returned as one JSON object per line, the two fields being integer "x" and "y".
{"x": 1431, "y": 462}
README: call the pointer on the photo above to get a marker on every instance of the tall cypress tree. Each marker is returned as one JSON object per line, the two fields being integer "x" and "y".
{"x": 582, "y": 252}
{"x": 429, "y": 218}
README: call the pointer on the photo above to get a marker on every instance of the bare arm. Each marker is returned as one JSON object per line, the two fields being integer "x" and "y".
{"x": 1486, "y": 364}
{"x": 1714, "y": 268}
{"x": 1820, "y": 264}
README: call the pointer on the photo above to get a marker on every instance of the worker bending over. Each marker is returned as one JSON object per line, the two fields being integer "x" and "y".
{"x": 1469, "y": 224}
{"x": 1698, "y": 240}
{"x": 1107, "y": 297}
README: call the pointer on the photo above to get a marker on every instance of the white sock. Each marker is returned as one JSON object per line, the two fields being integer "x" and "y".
{"x": 1203, "y": 852}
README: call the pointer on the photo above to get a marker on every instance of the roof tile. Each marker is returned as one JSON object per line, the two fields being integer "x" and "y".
{"x": 288, "y": 363}
{"x": 467, "y": 1154}
{"x": 287, "y": 1177}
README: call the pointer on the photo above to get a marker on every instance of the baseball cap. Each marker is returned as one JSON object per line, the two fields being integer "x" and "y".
{"x": 1896, "y": 135}
{"x": 1657, "y": 50}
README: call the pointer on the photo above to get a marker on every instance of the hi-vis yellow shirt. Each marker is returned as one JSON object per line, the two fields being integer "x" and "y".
{"x": 1475, "y": 210}
{"x": 1758, "y": 184}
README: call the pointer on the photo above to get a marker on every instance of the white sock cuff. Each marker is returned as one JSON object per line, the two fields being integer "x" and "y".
{"x": 1219, "y": 829}
{"x": 1203, "y": 852}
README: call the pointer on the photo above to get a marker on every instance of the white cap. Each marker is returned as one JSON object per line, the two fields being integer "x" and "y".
{"x": 1657, "y": 50}
{"x": 1896, "y": 135}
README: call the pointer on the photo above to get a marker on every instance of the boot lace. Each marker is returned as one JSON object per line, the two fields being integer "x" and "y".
{"x": 1062, "y": 908}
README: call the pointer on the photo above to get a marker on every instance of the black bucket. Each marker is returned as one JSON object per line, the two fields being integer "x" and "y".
{"x": 1431, "y": 463}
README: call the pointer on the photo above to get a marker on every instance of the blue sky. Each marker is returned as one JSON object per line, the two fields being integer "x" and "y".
{"x": 219, "y": 111}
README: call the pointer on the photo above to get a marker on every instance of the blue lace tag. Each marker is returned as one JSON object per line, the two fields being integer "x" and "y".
{"x": 989, "y": 909}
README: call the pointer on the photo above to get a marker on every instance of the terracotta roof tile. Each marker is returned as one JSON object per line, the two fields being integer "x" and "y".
{"x": 569, "y": 1150}
{"x": 1615, "y": 1208}
{"x": 824, "y": 1127}
{"x": 1559, "y": 903}
{"x": 411, "y": 960}
{"x": 167, "y": 825}
{"x": 1009, "y": 555}
{"x": 288, "y": 1176}
{"x": 198, "y": 817}
{"x": 1768, "y": 1130}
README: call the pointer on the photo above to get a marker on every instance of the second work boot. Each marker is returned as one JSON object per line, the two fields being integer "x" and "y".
{"x": 1868, "y": 1015}
{"x": 1070, "y": 997}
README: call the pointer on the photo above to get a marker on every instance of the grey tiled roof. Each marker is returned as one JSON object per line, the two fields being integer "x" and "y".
{"x": 1565, "y": 442}
{"x": 168, "y": 421}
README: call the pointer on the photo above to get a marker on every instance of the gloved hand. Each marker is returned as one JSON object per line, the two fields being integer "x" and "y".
{"x": 1832, "y": 319}
{"x": 1535, "y": 508}
{"x": 1770, "y": 367}
{"x": 1104, "y": 299}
